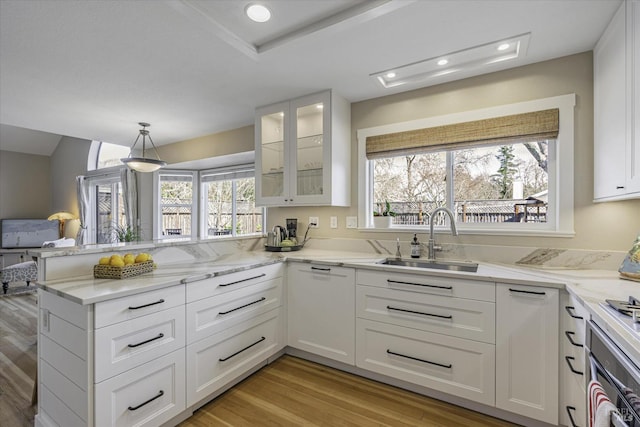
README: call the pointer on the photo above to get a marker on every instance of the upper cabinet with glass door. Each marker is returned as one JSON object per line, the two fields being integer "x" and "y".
{"x": 303, "y": 152}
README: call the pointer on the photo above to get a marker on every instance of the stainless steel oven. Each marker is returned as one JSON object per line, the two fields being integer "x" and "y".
{"x": 617, "y": 373}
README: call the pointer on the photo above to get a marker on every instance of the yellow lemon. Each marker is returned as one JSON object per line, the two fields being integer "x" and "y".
{"x": 104, "y": 260}
{"x": 116, "y": 256}
{"x": 142, "y": 257}
{"x": 129, "y": 259}
{"x": 117, "y": 262}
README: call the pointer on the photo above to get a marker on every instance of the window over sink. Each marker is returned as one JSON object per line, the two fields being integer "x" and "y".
{"x": 496, "y": 179}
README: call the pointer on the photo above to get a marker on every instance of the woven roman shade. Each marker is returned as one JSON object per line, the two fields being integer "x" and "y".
{"x": 517, "y": 128}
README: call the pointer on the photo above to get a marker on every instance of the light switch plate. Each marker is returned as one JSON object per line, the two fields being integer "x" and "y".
{"x": 352, "y": 222}
{"x": 334, "y": 222}
{"x": 314, "y": 220}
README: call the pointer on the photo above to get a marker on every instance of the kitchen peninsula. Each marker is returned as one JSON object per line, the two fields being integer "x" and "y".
{"x": 160, "y": 345}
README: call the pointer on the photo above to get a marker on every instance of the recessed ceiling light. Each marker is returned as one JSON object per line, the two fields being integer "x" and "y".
{"x": 470, "y": 60}
{"x": 258, "y": 12}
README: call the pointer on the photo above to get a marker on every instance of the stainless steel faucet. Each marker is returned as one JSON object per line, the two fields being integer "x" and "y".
{"x": 398, "y": 254}
{"x": 431, "y": 245}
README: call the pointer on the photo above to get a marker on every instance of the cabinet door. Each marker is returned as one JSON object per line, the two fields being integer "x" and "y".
{"x": 610, "y": 113}
{"x": 310, "y": 157}
{"x": 271, "y": 140}
{"x": 633, "y": 107}
{"x": 321, "y": 302}
{"x": 527, "y": 351}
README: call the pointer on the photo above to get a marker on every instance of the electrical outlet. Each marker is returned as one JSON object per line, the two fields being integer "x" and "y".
{"x": 334, "y": 222}
{"x": 352, "y": 222}
{"x": 314, "y": 220}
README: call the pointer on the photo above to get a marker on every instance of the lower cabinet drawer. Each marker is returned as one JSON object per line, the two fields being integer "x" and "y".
{"x": 459, "y": 317}
{"x": 125, "y": 345}
{"x": 452, "y": 365}
{"x": 573, "y": 407}
{"x": 212, "y": 315}
{"x": 149, "y": 395}
{"x": 215, "y": 361}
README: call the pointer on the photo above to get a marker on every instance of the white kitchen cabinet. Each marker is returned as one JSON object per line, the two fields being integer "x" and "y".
{"x": 303, "y": 152}
{"x": 321, "y": 304}
{"x": 527, "y": 351}
{"x": 460, "y": 367}
{"x": 573, "y": 367}
{"x": 616, "y": 61}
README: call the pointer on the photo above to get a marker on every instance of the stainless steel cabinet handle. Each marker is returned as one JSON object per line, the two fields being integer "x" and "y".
{"x": 569, "y": 359}
{"x": 243, "y": 280}
{"x": 157, "y": 396}
{"x": 419, "y": 284}
{"x": 569, "y": 409}
{"x": 137, "y": 307}
{"x": 242, "y": 306}
{"x": 570, "y": 308}
{"x": 419, "y": 360}
{"x": 569, "y": 335}
{"x": 224, "y": 359}
{"x": 520, "y": 291}
{"x": 160, "y": 335}
{"x": 442, "y": 316}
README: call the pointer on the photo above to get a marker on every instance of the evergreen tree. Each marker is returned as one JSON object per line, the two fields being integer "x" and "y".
{"x": 508, "y": 168}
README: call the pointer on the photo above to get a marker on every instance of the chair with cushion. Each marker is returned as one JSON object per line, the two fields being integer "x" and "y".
{"x": 22, "y": 272}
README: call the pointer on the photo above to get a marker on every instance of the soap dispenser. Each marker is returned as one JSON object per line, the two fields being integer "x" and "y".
{"x": 415, "y": 247}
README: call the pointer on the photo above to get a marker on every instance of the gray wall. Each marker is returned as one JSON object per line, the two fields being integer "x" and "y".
{"x": 610, "y": 226}
{"x": 24, "y": 185}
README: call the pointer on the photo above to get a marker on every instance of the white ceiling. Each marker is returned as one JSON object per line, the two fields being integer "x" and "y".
{"x": 94, "y": 69}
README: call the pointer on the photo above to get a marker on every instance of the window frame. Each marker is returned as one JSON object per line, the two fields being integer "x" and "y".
{"x": 157, "y": 214}
{"x": 230, "y": 173}
{"x": 561, "y": 189}
{"x": 105, "y": 176}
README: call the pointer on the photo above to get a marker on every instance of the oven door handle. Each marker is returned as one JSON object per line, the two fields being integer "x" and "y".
{"x": 620, "y": 357}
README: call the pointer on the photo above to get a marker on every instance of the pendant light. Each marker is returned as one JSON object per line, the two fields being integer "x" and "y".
{"x": 144, "y": 164}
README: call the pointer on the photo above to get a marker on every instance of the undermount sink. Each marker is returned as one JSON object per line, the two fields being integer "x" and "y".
{"x": 469, "y": 267}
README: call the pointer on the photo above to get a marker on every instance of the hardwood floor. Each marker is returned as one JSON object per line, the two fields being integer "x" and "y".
{"x": 295, "y": 392}
{"x": 288, "y": 392}
{"x": 18, "y": 359}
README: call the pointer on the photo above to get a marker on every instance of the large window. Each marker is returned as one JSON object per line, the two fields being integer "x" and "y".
{"x": 227, "y": 202}
{"x": 106, "y": 206}
{"x": 492, "y": 185}
{"x": 176, "y": 195}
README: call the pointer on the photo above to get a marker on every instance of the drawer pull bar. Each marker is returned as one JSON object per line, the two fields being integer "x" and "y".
{"x": 160, "y": 335}
{"x": 520, "y": 291}
{"x": 242, "y": 306}
{"x": 419, "y": 360}
{"x": 569, "y": 409}
{"x": 419, "y": 312}
{"x": 137, "y": 307}
{"x": 157, "y": 396}
{"x": 569, "y": 359}
{"x": 575, "y": 316}
{"x": 321, "y": 268}
{"x": 419, "y": 284}
{"x": 570, "y": 335}
{"x": 243, "y": 280}
{"x": 224, "y": 359}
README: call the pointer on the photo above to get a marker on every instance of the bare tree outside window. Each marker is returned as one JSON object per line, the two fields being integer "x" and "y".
{"x": 491, "y": 184}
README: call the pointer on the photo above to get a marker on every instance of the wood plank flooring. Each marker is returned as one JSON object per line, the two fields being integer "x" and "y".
{"x": 288, "y": 392}
{"x": 18, "y": 359}
{"x": 295, "y": 392}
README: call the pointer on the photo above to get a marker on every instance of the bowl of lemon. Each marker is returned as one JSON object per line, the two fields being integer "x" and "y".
{"x": 119, "y": 266}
